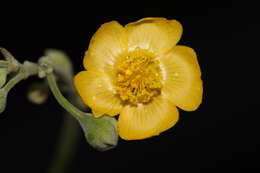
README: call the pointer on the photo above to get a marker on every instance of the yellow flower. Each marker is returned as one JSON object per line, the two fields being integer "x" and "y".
{"x": 137, "y": 71}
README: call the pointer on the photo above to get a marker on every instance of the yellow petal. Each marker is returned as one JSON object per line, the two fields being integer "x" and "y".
{"x": 96, "y": 92}
{"x": 158, "y": 35}
{"x": 182, "y": 82}
{"x": 143, "y": 121}
{"x": 106, "y": 45}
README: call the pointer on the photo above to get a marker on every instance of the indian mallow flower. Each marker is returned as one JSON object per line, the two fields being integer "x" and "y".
{"x": 139, "y": 73}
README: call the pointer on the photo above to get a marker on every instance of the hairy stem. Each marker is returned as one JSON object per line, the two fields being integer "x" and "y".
{"x": 13, "y": 82}
{"x": 62, "y": 100}
{"x": 4, "y": 63}
{"x": 69, "y": 132}
{"x": 25, "y": 70}
{"x": 66, "y": 145}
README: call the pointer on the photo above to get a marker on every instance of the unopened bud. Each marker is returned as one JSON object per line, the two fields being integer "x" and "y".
{"x": 61, "y": 63}
{"x": 101, "y": 133}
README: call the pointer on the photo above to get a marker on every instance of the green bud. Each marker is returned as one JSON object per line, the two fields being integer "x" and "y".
{"x": 101, "y": 133}
{"x": 45, "y": 66}
{"x": 3, "y": 97}
{"x": 61, "y": 63}
{"x": 3, "y": 74}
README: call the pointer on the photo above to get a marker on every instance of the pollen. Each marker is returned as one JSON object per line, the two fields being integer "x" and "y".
{"x": 138, "y": 77}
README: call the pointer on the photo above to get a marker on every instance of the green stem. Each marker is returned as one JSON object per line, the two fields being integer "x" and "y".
{"x": 4, "y": 64}
{"x": 66, "y": 145}
{"x": 11, "y": 83}
{"x": 26, "y": 69}
{"x": 62, "y": 100}
{"x": 69, "y": 131}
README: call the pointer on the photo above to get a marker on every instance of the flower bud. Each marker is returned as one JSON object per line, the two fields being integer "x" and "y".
{"x": 101, "y": 133}
{"x": 61, "y": 63}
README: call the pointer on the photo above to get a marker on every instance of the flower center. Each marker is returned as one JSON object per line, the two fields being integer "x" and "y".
{"x": 138, "y": 77}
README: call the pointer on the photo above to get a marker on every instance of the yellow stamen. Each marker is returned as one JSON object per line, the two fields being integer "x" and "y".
{"x": 138, "y": 77}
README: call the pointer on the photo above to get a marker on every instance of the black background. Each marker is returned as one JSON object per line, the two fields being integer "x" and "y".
{"x": 222, "y": 135}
